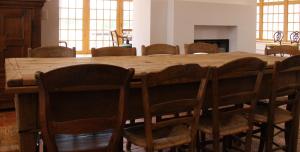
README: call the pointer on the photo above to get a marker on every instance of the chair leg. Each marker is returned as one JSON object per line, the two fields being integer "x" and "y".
{"x": 216, "y": 143}
{"x": 197, "y": 144}
{"x": 202, "y": 143}
{"x": 193, "y": 145}
{"x": 225, "y": 143}
{"x": 248, "y": 141}
{"x": 287, "y": 135}
{"x": 128, "y": 144}
{"x": 149, "y": 149}
{"x": 293, "y": 139}
{"x": 262, "y": 138}
{"x": 269, "y": 135}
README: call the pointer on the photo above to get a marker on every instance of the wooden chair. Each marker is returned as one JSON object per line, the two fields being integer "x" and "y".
{"x": 228, "y": 115}
{"x": 156, "y": 49}
{"x": 278, "y": 37}
{"x": 295, "y": 37}
{"x": 272, "y": 113}
{"x": 158, "y": 99}
{"x": 76, "y": 88}
{"x": 116, "y": 38}
{"x": 201, "y": 47}
{"x": 51, "y": 52}
{"x": 113, "y": 51}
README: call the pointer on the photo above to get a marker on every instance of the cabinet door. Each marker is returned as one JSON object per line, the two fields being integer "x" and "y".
{"x": 15, "y": 25}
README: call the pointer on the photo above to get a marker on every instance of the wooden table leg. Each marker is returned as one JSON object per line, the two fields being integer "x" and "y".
{"x": 27, "y": 120}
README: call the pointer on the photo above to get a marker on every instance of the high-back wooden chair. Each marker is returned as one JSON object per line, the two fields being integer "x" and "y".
{"x": 201, "y": 47}
{"x": 113, "y": 51}
{"x": 98, "y": 94}
{"x": 158, "y": 91}
{"x": 281, "y": 109}
{"x": 51, "y": 52}
{"x": 117, "y": 38}
{"x": 227, "y": 116}
{"x": 156, "y": 49}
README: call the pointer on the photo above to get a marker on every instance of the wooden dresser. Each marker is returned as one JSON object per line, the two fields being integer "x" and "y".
{"x": 20, "y": 25}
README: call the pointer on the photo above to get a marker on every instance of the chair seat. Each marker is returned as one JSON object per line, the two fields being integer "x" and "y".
{"x": 229, "y": 124}
{"x": 83, "y": 142}
{"x": 280, "y": 115}
{"x": 162, "y": 138}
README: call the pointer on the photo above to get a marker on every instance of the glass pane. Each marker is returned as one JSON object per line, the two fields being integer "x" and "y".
{"x": 70, "y": 22}
{"x": 102, "y": 22}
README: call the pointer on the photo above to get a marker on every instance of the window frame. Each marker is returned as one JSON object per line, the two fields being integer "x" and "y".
{"x": 86, "y": 24}
{"x": 261, "y": 5}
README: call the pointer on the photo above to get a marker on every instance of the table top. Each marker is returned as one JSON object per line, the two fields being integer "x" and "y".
{"x": 20, "y": 71}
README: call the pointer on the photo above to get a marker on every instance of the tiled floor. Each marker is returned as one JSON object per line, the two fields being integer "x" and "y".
{"x": 9, "y": 137}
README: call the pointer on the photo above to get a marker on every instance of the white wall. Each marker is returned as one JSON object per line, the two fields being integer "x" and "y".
{"x": 142, "y": 24}
{"x": 191, "y": 13}
{"x": 50, "y": 23}
{"x": 159, "y": 17}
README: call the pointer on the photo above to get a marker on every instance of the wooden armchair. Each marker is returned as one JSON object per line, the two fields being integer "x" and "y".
{"x": 201, "y": 47}
{"x": 117, "y": 38}
{"x": 158, "y": 99}
{"x": 228, "y": 115}
{"x": 97, "y": 93}
{"x": 156, "y": 49}
{"x": 113, "y": 51}
{"x": 51, "y": 52}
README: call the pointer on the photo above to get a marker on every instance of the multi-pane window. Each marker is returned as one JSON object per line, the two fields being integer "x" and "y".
{"x": 273, "y": 20}
{"x": 70, "y": 22}
{"x": 277, "y": 15}
{"x": 86, "y": 24}
{"x": 103, "y": 19}
{"x": 257, "y": 21}
{"x": 293, "y": 18}
{"x": 127, "y": 14}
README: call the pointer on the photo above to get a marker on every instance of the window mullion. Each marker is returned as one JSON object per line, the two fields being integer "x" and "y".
{"x": 286, "y": 16}
{"x": 261, "y": 17}
{"x": 119, "y": 17}
{"x": 86, "y": 26}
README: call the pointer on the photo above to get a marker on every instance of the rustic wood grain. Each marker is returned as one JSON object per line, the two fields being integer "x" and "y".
{"x": 20, "y": 71}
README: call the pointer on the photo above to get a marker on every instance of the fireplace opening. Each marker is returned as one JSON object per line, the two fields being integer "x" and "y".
{"x": 223, "y": 44}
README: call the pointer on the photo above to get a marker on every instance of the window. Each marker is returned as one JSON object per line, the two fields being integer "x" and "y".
{"x": 86, "y": 24}
{"x": 277, "y": 15}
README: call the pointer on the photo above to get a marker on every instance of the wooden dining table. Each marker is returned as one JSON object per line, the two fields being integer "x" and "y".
{"x": 20, "y": 80}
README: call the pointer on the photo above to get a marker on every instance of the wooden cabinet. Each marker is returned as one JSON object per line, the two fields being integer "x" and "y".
{"x": 20, "y": 29}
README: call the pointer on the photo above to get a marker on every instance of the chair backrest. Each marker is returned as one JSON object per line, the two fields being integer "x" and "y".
{"x": 201, "y": 47}
{"x": 160, "y": 49}
{"x": 113, "y": 51}
{"x": 285, "y": 82}
{"x": 63, "y": 43}
{"x": 288, "y": 69}
{"x": 225, "y": 96}
{"x": 295, "y": 37}
{"x": 282, "y": 50}
{"x": 278, "y": 36}
{"x": 82, "y": 99}
{"x": 51, "y": 52}
{"x": 114, "y": 37}
{"x": 159, "y": 99}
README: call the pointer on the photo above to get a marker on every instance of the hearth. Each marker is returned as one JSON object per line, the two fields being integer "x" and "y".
{"x": 223, "y": 44}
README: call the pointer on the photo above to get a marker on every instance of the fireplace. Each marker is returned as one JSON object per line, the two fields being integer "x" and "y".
{"x": 223, "y": 44}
